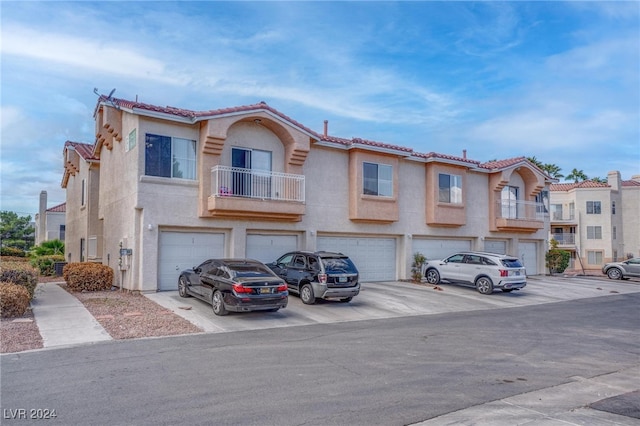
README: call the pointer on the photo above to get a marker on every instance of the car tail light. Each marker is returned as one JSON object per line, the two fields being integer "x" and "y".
{"x": 282, "y": 287}
{"x": 322, "y": 278}
{"x": 504, "y": 273}
{"x": 239, "y": 288}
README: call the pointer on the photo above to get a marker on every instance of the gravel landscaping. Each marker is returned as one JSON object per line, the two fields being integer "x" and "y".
{"x": 123, "y": 315}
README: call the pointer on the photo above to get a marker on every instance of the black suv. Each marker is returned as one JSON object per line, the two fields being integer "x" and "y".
{"x": 321, "y": 274}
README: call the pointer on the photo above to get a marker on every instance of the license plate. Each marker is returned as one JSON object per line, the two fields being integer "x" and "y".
{"x": 342, "y": 279}
{"x": 264, "y": 290}
{"x": 517, "y": 272}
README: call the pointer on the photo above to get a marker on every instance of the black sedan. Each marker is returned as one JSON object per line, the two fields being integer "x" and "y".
{"x": 237, "y": 285}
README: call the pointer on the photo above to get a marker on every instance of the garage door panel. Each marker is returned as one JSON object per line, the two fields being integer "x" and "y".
{"x": 499, "y": 247}
{"x": 439, "y": 248}
{"x": 183, "y": 250}
{"x": 529, "y": 257}
{"x": 268, "y": 248}
{"x": 375, "y": 258}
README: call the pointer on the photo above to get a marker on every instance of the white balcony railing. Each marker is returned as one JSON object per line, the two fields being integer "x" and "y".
{"x": 247, "y": 183}
{"x": 522, "y": 210}
{"x": 565, "y": 238}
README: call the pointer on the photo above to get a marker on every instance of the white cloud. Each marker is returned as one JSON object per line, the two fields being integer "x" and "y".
{"x": 105, "y": 57}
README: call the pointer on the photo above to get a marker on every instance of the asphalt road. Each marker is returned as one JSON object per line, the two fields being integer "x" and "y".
{"x": 390, "y": 371}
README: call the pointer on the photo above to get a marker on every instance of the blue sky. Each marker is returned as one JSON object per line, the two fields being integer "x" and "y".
{"x": 556, "y": 80}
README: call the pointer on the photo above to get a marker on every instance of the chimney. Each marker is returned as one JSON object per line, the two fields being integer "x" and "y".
{"x": 42, "y": 222}
{"x": 464, "y": 154}
{"x": 614, "y": 180}
{"x": 326, "y": 127}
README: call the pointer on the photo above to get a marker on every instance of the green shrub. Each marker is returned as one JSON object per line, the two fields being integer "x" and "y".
{"x": 46, "y": 264}
{"x": 416, "y": 267}
{"x": 87, "y": 276}
{"x": 557, "y": 260}
{"x": 19, "y": 273}
{"x": 12, "y": 251}
{"x": 14, "y": 300}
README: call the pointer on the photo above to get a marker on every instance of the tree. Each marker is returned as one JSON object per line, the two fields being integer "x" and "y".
{"x": 576, "y": 176}
{"x": 551, "y": 169}
{"x": 599, "y": 180}
{"x": 16, "y": 231}
{"x": 49, "y": 248}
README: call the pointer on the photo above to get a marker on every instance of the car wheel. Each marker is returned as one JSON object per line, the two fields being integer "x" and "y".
{"x": 484, "y": 285}
{"x": 614, "y": 273}
{"x": 217, "y": 303}
{"x": 433, "y": 276}
{"x": 306, "y": 294}
{"x": 346, "y": 299}
{"x": 182, "y": 287}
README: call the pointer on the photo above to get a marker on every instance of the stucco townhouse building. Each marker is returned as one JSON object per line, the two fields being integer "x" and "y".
{"x": 161, "y": 189}
{"x": 50, "y": 223}
{"x": 596, "y": 222}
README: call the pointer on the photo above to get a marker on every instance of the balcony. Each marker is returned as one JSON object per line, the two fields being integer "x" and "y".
{"x": 559, "y": 217}
{"x": 256, "y": 194}
{"x": 565, "y": 239}
{"x": 519, "y": 216}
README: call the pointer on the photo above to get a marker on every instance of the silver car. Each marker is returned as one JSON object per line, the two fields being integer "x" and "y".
{"x": 484, "y": 271}
{"x": 622, "y": 270}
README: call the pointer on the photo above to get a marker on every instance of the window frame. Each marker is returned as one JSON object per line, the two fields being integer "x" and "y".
{"x": 383, "y": 185}
{"x": 596, "y": 254}
{"x": 594, "y": 207}
{"x": 167, "y": 164}
{"x": 594, "y": 232}
{"x": 446, "y": 193}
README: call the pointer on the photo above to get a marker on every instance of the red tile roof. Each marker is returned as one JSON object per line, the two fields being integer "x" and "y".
{"x": 262, "y": 106}
{"x": 584, "y": 184}
{"x": 83, "y": 149}
{"x": 60, "y": 208}
{"x": 630, "y": 183}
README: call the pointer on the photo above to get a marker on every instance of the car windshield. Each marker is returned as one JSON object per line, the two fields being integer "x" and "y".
{"x": 338, "y": 264}
{"x": 512, "y": 263}
{"x": 249, "y": 270}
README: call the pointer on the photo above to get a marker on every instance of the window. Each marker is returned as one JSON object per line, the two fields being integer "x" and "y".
{"x": 83, "y": 193}
{"x": 510, "y": 202}
{"x": 131, "y": 141}
{"x": 62, "y": 232}
{"x": 614, "y": 233}
{"x": 542, "y": 202}
{"x": 594, "y": 232}
{"x": 594, "y": 257}
{"x": 593, "y": 207}
{"x": 252, "y": 172}
{"x": 170, "y": 157}
{"x": 613, "y": 207}
{"x": 450, "y": 188}
{"x": 556, "y": 211}
{"x": 377, "y": 179}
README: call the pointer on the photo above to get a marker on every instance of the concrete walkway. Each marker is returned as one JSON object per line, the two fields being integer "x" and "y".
{"x": 62, "y": 319}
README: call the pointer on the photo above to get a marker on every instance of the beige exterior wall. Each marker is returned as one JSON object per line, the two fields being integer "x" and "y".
{"x": 133, "y": 209}
{"x": 630, "y": 199}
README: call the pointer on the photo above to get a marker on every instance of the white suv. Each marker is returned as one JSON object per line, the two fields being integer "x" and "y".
{"x": 484, "y": 271}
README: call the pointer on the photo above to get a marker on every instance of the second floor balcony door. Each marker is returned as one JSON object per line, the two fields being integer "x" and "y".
{"x": 251, "y": 173}
{"x": 510, "y": 202}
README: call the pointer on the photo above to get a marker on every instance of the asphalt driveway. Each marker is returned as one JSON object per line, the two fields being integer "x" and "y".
{"x": 395, "y": 299}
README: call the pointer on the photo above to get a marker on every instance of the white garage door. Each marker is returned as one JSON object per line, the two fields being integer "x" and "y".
{"x": 499, "y": 247}
{"x": 439, "y": 249}
{"x": 529, "y": 257}
{"x": 183, "y": 250}
{"x": 267, "y": 248}
{"x": 375, "y": 258}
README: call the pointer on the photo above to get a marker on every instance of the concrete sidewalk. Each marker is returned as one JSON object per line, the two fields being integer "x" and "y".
{"x": 62, "y": 319}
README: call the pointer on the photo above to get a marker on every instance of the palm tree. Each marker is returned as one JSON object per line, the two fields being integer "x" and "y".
{"x": 553, "y": 171}
{"x": 576, "y": 176}
{"x": 599, "y": 180}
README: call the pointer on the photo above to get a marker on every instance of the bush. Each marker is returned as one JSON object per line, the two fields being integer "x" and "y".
{"x": 12, "y": 251}
{"x": 416, "y": 267}
{"x": 87, "y": 276}
{"x": 46, "y": 264}
{"x": 19, "y": 273}
{"x": 14, "y": 300}
{"x": 557, "y": 260}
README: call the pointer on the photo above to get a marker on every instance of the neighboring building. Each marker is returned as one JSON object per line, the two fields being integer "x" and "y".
{"x": 596, "y": 222}
{"x": 49, "y": 223}
{"x": 163, "y": 189}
